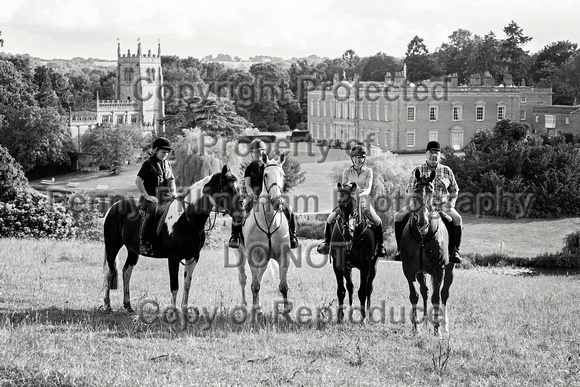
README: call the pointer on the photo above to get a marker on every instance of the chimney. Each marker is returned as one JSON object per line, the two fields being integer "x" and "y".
{"x": 487, "y": 79}
{"x": 474, "y": 80}
{"x": 508, "y": 80}
{"x": 399, "y": 79}
{"x": 454, "y": 80}
{"x": 388, "y": 78}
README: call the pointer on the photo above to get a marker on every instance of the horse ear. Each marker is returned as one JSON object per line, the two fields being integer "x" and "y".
{"x": 282, "y": 157}
{"x": 353, "y": 187}
{"x": 224, "y": 170}
{"x": 432, "y": 176}
{"x": 338, "y": 185}
{"x": 264, "y": 158}
{"x": 417, "y": 174}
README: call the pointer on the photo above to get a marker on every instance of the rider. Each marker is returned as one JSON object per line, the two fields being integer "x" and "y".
{"x": 363, "y": 177}
{"x": 153, "y": 179}
{"x": 444, "y": 196}
{"x": 253, "y": 179}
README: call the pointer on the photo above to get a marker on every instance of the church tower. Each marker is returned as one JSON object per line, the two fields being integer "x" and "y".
{"x": 140, "y": 84}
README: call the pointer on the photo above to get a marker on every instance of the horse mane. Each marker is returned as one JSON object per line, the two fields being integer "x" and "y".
{"x": 195, "y": 191}
{"x": 350, "y": 206}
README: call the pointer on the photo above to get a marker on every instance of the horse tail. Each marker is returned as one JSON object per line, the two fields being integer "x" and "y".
{"x": 109, "y": 265}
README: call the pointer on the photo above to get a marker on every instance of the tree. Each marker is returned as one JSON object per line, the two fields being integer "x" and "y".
{"x": 49, "y": 144}
{"x": 351, "y": 58}
{"x": 15, "y": 91}
{"x": 486, "y": 57}
{"x": 417, "y": 60}
{"x": 456, "y": 55}
{"x": 378, "y": 65}
{"x": 113, "y": 147}
{"x": 215, "y": 116}
{"x": 515, "y": 59}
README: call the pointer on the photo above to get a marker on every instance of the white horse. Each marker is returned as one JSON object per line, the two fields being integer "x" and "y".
{"x": 266, "y": 235}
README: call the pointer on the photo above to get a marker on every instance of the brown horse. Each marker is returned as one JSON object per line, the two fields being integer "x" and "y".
{"x": 424, "y": 250}
{"x": 352, "y": 245}
{"x": 180, "y": 237}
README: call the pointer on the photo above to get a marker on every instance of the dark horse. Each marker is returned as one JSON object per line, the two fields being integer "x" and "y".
{"x": 424, "y": 250}
{"x": 180, "y": 236}
{"x": 352, "y": 245}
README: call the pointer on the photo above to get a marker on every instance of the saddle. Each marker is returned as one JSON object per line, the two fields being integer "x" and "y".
{"x": 159, "y": 215}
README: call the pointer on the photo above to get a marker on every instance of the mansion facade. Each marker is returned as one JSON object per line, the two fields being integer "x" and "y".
{"x": 399, "y": 116}
{"x": 139, "y": 85}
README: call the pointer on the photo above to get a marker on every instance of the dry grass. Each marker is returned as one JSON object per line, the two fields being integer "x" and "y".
{"x": 505, "y": 330}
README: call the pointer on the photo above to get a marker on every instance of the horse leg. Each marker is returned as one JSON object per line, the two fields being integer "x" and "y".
{"x": 414, "y": 298}
{"x": 283, "y": 286}
{"x": 424, "y": 294}
{"x": 187, "y": 275}
{"x": 242, "y": 277}
{"x": 372, "y": 272}
{"x": 437, "y": 279}
{"x": 130, "y": 263}
{"x": 173, "y": 264}
{"x": 257, "y": 274}
{"x": 340, "y": 291}
{"x": 447, "y": 281}
{"x": 111, "y": 274}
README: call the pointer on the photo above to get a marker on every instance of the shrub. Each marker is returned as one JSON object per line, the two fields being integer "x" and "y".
{"x": 572, "y": 244}
{"x": 12, "y": 178}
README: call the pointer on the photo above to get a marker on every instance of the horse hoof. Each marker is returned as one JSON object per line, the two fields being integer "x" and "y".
{"x": 108, "y": 310}
{"x": 130, "y": 310}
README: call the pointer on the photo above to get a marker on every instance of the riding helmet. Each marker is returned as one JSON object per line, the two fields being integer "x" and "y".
{"x": 257, "y": 145}
{"x": 162, "y": 143}
{"x": 358, "y": 150}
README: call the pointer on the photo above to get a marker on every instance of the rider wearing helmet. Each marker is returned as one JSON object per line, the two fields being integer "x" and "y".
{"x": 444, "y": 196}
{"x": 253, "y": 179}
{"x": 153, "y": 179}
{"x": 363, "y": 177}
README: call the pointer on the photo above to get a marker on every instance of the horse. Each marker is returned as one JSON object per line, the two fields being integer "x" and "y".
{"x": 265, "y": 236}
{"x": 179, "y": 237}
{"x": 425, "y": 250}
{"x": 352, "y": 244}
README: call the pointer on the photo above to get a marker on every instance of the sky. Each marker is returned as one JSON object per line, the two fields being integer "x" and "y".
{"x": 64, "y": 29}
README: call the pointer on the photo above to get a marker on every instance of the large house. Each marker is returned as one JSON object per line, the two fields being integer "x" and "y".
{"x": 555, "y": 119}
{"x": 400, "y": 116}
{"x": 139, "y": 85}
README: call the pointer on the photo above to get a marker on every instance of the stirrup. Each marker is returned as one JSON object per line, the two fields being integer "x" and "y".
{"x": 397, "y": 256}
{"x": 455, "y": 257}
{"x": 234, "y": 242}
{"x": 380, "y": 251}
{"x": 323, "y": 248}
{"x": 293, "y": 242}
{"x": 145, "y": 248}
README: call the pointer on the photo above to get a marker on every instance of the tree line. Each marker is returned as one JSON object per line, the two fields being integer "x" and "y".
{"x": 35, "y": 97}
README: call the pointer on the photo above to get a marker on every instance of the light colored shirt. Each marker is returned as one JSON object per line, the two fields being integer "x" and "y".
{"x": 363, "y": 179}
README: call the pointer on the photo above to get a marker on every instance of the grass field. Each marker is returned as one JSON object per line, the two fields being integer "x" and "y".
{"x": 505, "y": 330}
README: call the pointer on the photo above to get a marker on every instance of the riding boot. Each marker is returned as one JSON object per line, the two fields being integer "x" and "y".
{"x": 399, "y": 228}
{"x": 324, "y": 247}
{"x": 291, "y": 227}
{"x": 380, "y": 250}
{"x": 145, "y": 247}
{"x": 456, "y": 256}
{"x": 234, "y": 242}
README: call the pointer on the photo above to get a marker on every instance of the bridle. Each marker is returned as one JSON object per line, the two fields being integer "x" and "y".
{"x": 269, "y": 232}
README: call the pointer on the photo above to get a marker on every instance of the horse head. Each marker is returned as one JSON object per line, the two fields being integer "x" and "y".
{"x": 423, "y": 202}
{"x": 226, "y": 194}
{"x": 347, "y": 206}
{"x": 273, "y": 184}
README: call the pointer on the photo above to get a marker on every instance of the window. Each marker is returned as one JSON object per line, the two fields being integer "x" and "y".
{"x": 522, "y": 115}
{"x": 433, "y": 135}
{"x": 317, "y": 134}
{"x": 318, "y": 109}
{"x": 479, "y": 113}
{"x": 524, "y": 99}
{"x": 369, "y": 111}
{"x": 333, "y": 109}
{"x": 324, "y": 108}
{"x": 386, "y": 139}
{"x": 410, "y": 139}
{"x": 537, "y": 119}
{"x": 133, "y": 118}
{"x": 433, "y": 113}
{"x": 311, "y": 108}
{"x": 567, "y": 120}
{"x": 120, "y": 118}
{"x": 457, "y": 140}
{"x": 550, "y": 121}
{"x": 386, "y": 112}
{"x": 411, "y": 114}
{"x": 361, "y": 111}
{"x": 456, "y": 113}
{"x": 500, "y": 112}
